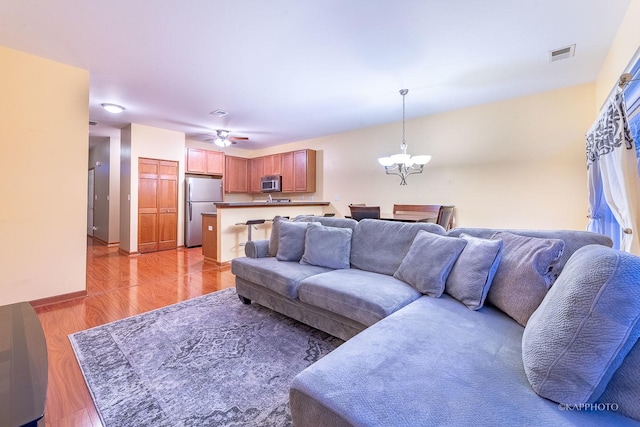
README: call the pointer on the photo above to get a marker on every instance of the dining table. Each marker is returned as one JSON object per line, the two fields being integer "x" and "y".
{"x": 410, "y": 216}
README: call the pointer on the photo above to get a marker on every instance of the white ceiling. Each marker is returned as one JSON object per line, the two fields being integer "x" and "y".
{"x": 289, "y": 70}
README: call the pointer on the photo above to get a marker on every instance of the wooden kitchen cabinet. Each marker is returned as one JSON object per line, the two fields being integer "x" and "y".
{"x": 256, "y": 171}
{"x": 273, "y": 164}
{"x": 287, "y": 172}
{"x": 299, "y": 171}
{"x": 205, "y": 161}
{"x": 236, "y": 175}
{"x": 215, "y": 162}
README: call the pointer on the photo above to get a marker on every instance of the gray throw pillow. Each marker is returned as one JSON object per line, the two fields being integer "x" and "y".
{"x": 273, "y": 239}
{"x": 291, "y": 237}
{"x": 429, "y": 261}
{"x": 473, "y": 272}
{"x": 327, "y": 247}
{"x": 585, "y": 327}
{"x": 524, "y": 275}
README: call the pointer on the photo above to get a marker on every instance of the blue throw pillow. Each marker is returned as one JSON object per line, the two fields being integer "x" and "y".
{"x": 327, "y": 247}
{"x": 473, "y": 272}
{"x": 429, "y": 261}
{"x": 585, "y": 327}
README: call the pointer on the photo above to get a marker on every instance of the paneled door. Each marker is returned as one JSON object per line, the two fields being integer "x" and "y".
{"x": 157, "y": 205}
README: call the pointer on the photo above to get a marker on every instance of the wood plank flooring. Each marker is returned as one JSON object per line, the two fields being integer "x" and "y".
{"x": 118, "y": 286}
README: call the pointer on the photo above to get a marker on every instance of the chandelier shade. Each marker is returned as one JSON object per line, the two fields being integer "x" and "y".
{"x": 403, "y": 164}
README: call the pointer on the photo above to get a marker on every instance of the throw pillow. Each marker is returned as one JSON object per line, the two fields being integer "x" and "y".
{"x": 473, "y": 272}
{"x": 291, "y": 240}
{"x": 524, "y": 275}
{"x": 429, "y": 261}
{"x": 273, "y": 239}
{"x": 585, "y": 327}
{"x": 327, "y": 247}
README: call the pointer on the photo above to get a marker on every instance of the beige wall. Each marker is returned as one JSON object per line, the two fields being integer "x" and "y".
{"x": 515, "y": 163}
{"x": 623, "y": 48}
{"x": 44, "y": 118}
{"x": 154, "y": 143}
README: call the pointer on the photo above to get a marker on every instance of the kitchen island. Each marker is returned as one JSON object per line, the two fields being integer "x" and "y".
{"x": 224, "y": 232}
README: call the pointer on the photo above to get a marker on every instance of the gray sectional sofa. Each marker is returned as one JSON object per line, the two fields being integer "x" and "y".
{"x": 470, "y": 327}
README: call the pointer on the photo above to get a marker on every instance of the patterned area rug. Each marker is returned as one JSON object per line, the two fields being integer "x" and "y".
{"x": 209, "y": 361}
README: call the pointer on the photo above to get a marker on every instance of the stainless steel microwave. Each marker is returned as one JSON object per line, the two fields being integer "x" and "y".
{"x": 271, "y": 183}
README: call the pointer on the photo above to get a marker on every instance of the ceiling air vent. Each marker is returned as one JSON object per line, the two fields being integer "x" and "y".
{"x": 219, "y": 113}
{"x": 562, "y": 53}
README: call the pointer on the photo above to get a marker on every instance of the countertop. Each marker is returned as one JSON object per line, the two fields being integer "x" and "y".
{"x": 224, "y": 205}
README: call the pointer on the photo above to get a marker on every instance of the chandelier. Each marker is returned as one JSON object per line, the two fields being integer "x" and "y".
{"x": 403, "y": 164}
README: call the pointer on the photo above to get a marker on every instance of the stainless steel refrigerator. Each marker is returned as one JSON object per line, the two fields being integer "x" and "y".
{"x": 200, "y": 196}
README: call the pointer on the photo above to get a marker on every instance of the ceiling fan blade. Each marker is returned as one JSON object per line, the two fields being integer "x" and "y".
{"x": 239, "y": 138}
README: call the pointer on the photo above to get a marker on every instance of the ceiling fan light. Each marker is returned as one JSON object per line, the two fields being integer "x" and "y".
{"x": 421, "y": 160}
{"x": 221, "y": 142}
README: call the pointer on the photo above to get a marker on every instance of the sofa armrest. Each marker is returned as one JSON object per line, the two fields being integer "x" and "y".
{"x": 257, "y": 248}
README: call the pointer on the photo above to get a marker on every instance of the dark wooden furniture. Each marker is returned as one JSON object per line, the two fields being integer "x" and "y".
{"x": 362, "y": 212}
{"x": 409, "y": 217}
{"x": 442, "y": 214}
{"x": 23, "y": 366}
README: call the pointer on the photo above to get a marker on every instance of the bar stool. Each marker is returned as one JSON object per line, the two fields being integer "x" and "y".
{"x": 250, "y": 224}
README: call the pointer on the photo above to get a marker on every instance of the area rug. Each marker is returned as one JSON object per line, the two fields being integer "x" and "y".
{"x": 209, "y": 361}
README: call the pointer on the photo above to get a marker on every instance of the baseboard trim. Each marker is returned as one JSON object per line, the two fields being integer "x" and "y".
{"x": 123, "y": 252}
{"x": 58, "y": 298}
{"x": 226, "y": 264}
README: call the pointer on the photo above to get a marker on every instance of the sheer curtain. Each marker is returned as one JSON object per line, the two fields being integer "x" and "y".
{"x": 613, "y": 177}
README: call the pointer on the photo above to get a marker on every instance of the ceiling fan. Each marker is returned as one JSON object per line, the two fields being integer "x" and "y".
{"x": 223, "y": 138}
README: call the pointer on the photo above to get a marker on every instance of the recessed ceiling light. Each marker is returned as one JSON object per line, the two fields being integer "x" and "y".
{"x": 113, "y": 108}
{"x": 219, "y": 113}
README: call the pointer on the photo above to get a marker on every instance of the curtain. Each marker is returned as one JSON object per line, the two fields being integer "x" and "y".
{"x": 612, "y": 176}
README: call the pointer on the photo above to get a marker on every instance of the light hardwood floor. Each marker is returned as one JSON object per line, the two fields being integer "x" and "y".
{"x": 118, "y": 286}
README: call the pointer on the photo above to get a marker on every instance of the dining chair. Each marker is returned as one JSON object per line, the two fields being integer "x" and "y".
{"x": 445, "y": 217}
{"x": 362, "y": 212}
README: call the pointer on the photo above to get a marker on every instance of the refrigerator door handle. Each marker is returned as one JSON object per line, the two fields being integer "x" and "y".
{"x": 190, "y": 210}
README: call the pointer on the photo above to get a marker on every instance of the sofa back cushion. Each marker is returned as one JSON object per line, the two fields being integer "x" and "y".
{"x": 380, "y": 246}
{"x": 585, "y": 327}
{"x": 573, "y": 239}
{"x": 624, "y": 387}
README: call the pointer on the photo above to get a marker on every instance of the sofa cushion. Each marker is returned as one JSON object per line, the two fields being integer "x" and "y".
{"x": 624, "y": 387}
{"x": 291, "y": 237}
{"x": 429, "y": 261}
{"x": 524, "y": 274}
{"x": 431, "y": 363}
{"x": 358, "y": 295}
{"x": 380, "y": 246}
{"x": 472, "y": 274}
{"x": 279, "y": 276}
{"x": 573, "y": 239}
{"x": 327, "y": 247}
{"x": 584, "y": 328}
{"x": 326, "y": 221}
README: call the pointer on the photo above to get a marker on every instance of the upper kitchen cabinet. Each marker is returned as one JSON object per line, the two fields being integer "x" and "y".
{"x": 205, "y": 161}
{"x": 256, "y": 171}
{"x": 273, "y": 164}
{"x": 236, "y": 175}
{"x": 299, "y": 171}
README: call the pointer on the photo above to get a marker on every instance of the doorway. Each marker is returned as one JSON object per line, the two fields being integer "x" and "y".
{"x": 91, "y": 191}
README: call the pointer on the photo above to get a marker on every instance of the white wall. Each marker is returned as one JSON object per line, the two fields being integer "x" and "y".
{"x": 43, "y": 177}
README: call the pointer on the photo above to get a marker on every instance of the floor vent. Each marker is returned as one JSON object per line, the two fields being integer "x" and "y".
{"x": 562, "y": 53}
